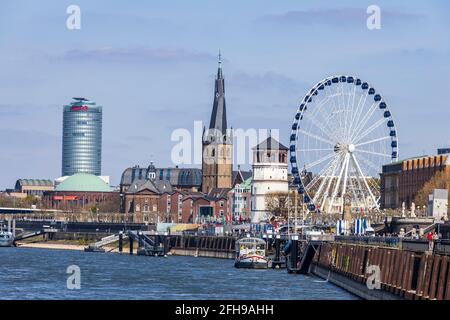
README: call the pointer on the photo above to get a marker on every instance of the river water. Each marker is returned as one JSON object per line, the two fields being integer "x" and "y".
{"x": 27, "y": 273}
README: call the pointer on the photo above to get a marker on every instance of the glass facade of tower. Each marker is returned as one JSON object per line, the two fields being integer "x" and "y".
{"x": 82, "y": 138}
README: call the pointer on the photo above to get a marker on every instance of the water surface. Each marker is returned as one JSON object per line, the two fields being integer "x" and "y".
{"x": 29, "y": 273}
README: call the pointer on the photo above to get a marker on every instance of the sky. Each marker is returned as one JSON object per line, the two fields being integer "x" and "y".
{"x": 151, "y": 65}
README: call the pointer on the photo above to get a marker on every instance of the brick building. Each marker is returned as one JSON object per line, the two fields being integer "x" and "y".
{"x": 81, "y": 192}
{"x": 402, "y": 180}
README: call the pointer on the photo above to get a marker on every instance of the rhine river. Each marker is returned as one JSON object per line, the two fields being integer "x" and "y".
{"x": 27, "y": 273}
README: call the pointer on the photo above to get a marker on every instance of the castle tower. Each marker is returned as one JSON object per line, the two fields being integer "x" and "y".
{"x": 270, "y": 175}
{"x": 217, "y": 144}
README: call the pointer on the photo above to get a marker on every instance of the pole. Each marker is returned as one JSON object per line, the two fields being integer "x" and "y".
{"x": 294, "y": 253}
{"x": 139, "y": 239}
{"x": 277, "y": 248}
{"x": 120, "y": 242}
{"x": 155, "y": 242}
{"x": 295, "y": 213}
{"x": 131, "y": 245}
{"x": 166, "y": 243}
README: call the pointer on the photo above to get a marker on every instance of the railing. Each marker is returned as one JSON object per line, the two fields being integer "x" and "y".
{"x": 106, "y": 240}
{"x": 441, "y": 246}
{"x": 378, "y": 241}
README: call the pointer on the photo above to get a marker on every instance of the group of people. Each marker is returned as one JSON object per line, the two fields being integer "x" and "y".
{"x": 431, "y": 237}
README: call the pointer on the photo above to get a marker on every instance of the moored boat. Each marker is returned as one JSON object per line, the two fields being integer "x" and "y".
{"x": 6, "y": 239}
{"x": 251, "y": 253}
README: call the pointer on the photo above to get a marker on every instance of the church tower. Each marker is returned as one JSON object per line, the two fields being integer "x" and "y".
{"x": 217, "y": 144}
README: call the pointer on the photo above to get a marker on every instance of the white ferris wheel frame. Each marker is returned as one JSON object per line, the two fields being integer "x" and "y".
{"x": 349, "y": 135}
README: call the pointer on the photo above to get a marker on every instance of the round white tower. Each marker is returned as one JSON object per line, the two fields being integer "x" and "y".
{"x": 270, "y": 175}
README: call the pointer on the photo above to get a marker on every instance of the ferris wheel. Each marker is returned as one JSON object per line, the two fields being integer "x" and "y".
{"x": 342, "y": 134}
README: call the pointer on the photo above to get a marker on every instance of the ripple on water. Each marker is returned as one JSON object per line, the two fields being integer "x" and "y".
{"x": 27, "y": 273}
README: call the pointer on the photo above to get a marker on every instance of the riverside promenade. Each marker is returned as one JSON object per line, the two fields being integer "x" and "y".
{"x": 380, "y": 268}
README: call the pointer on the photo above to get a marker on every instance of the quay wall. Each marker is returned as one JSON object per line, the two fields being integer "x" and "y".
{"x": 203, "y": 246}
{"x": 403, "y": 274}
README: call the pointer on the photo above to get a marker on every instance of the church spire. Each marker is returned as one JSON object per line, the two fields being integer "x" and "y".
{"x": 219, "y": 69}
{"x": 219, "y": 112}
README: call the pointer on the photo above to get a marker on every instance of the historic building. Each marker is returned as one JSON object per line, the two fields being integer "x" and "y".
{"x": 402, "y": 180}
{"x": 187, "y": 179}
{"x": 270, "y": 175}
{"x": 240, "y": 200}
{"x": 82, "y": 192}
{"x": 33, "y": 187}
{"x": 217, "y": 144}
{"x": 200, "y": 207}
{"x": 143, "y": 198}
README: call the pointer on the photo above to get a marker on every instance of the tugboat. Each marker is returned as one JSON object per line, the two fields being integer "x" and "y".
{"x": 251, "y": 253}
{"x": 6, "y": 239}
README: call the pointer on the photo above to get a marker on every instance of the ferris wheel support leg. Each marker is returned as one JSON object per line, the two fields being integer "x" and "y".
{"x": 347, "y": 161}
{"x": 329, "y": 184}
{"x": 330, "y": 180}
{"x": 336, "y": 188}
{"x": 324, "y": 180}
{"x": 365, "y": 182}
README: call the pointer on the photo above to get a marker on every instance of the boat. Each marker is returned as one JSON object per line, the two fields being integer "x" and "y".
{"x": 93, "y": 248}
{"x": 6, "y": 239}
{"x": 251, "y": 253}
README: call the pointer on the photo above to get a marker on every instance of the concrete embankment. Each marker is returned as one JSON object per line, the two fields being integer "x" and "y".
{"x": 402, "y": 274}
{"x": 45, "y": 245}
{"x": 66, "y": 246}
{"x": 184, "y": 245}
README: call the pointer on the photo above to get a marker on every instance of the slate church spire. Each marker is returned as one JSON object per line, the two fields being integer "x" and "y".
{"x": 219, "y": 112}
{"x": 217, "y": 158}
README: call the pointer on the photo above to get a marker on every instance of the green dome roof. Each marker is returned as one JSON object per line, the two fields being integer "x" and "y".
{"x": 83, "y": 182}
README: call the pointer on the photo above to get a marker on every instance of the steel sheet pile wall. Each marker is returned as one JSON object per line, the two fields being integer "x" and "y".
{"x": 406, "y": 274}
{"x": 206, "y": 246}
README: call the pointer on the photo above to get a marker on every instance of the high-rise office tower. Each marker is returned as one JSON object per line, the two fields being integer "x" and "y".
{"x": 82, "y": 138}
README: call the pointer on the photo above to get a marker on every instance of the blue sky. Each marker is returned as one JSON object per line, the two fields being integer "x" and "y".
{"x": 151, "y": 65}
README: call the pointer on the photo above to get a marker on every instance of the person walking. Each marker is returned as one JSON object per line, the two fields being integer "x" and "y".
{"x": 430, "y": 241}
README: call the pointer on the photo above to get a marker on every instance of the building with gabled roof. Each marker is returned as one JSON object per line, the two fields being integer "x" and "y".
{"x": 179, "y": 178}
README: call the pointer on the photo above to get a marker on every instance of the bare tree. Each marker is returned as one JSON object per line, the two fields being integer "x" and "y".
{"x": 277, "y": 203}
{"x": 280, "y": 204}
{"x": 441, "y": 180}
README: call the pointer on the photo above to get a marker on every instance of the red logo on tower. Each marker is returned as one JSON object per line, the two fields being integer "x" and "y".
{"x": 79, "y": 108}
